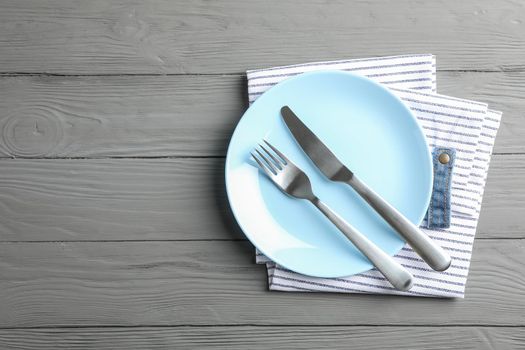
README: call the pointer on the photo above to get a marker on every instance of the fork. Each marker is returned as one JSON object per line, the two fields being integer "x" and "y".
{"x": 294, "y": 182}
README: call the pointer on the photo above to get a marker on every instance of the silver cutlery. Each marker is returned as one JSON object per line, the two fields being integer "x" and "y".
{"x": 293, "y": 181}
{"x": 335, "y": 170}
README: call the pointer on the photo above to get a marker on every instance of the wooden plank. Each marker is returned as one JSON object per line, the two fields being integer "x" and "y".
{"x": 503, "y": 200}
{"x": 217, "y": 283}
{"x": 172, "y": 199}
{"x": 154, "y": 116}
{"x": 250, "y": 337}
{"x": 124, "y": 199}
{"x": 118, "y": 116}
{"x": 502, "y": 92}
{"x": 162, "y": 36}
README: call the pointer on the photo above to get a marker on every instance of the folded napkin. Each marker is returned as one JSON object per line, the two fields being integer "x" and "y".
{"x": 469, "y": 127}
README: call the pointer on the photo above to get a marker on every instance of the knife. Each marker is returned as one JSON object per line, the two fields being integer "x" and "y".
{"x": 335, "y": 170}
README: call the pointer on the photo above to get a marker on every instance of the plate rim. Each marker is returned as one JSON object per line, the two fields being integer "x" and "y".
{"x": 322, "y": 72}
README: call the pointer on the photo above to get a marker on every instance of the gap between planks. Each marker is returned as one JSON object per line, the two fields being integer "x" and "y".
{"x": 237, "y": 325}
{"x": 179, "y": 157}
{"x": 234, "y": 74}
{"x": 183, "y": 240}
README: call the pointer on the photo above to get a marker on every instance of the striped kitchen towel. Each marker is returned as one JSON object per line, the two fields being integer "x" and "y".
{"x": 467, "y": 126}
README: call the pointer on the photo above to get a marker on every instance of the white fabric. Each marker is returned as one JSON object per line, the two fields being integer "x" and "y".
{"x": 467, "y": 126}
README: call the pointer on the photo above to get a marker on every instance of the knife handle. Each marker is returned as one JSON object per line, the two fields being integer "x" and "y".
{"x": 393, "y": 271}
{"x": 423, "y": 245}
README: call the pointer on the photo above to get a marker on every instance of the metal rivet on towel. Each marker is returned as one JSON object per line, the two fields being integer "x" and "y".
{"x": 444, "y": 158}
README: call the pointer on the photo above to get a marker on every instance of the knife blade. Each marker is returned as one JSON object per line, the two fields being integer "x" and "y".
{"x": 322, "y": 157}
{"x": 335, "y": 170}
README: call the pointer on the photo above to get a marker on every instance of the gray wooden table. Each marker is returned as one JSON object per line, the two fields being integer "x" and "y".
{"x": 114, "y": 227}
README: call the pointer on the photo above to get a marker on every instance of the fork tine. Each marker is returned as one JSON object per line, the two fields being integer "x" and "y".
{"x": 285, "y": 160}
{"x": 262, "y": 166}
{"x": 268, "y": 164}
{"x": 278, "y": 163}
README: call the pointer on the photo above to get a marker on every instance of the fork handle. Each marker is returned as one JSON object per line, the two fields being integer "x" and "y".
{"x": 395, "y": 273}
{"x": 427, "y": 249}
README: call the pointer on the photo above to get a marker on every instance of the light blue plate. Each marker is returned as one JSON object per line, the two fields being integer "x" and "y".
{"x": 370, "y": 130}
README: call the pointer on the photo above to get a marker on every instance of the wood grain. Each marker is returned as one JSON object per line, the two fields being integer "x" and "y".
{"x": 124, "y": 199}
{"x": 157, "y": 116}
{"x": 217, "y": 283}
{"x": 80, "y": 266}
{"x": 118, "y": 116}
{"x": 162, "y": 36}
{"x": 172, "y": 199}
{"x": 252, "y": 337}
